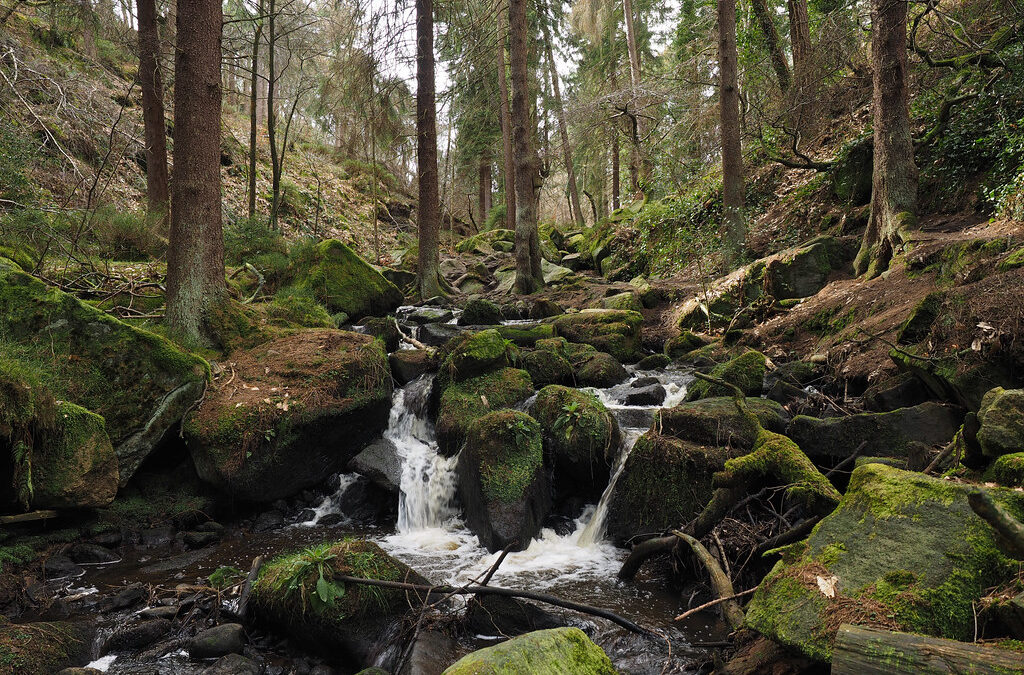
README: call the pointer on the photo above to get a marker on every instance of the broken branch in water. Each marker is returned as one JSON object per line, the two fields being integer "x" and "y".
{"x": 708, "y": 605}
{"x": 720, "y": 581}
{"x": 507, "y": 592}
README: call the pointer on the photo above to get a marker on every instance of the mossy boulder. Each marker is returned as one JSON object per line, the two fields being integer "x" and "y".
{"x": 1007, "y": 470}
{"x": 902, "y": 551}
{"x": 962, "y": 378}
{"x": 717, "y": 421}
{"x": 653, "y": 362}
{"x": 43, "y": 648}
{"x": 140, "y": 383}
{"x": 851, "y": 174}
{"x": 919, "y": 324}
{"x": 547, "y": 367}
{"x": 681, "y": 345}
{"x": 526, "y": 335}
{"x": 483, "y": 243}
{"x": 581, "y": 439}
{"x": 462, "y": 403}
{"x": 666, "y": 482}
{"x": 1001, "y": 417}
{"x": 555, "y": 651}
{"x": 475, "y": 354}
{"x": 297, "y": 410}
{"x": 343, "y": 282}
{"x": 350, "y": 623}
{"x": 627, "y": 301}
{"x": 803, "y": 271}
{"x": 1012, "y": 261}
{"x": 480, "y": 312}
{"x": 503, "y": 484}
{"x": 746, "y": 371}
{"x": 598, "y": 369}
{"x": 614, "y": 331}
{"x": 408, "y": 364}
{"x": 889, "y": 434}
{"x": 74, "y": 466}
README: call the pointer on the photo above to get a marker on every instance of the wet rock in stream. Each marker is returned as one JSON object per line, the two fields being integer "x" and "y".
{"x": 92, "y": 554}
{"x": 137, "y": 637}
{"x": 228, "y": 638}
{"x": 234, "y": 664}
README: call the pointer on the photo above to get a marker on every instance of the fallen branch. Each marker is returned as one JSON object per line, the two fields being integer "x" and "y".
{"x": 1001, "y": 520}
{"x": 641, "y": 552}
{"x": 243, "y": 598}
{"x": 506, "y": 592}
{"x": 720, "y": 581}
{"x": 708, "y": 605}
{"x": 941, "y": 457}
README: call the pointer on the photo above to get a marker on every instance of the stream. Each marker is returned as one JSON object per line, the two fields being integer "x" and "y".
{"x": 572, "y": 559}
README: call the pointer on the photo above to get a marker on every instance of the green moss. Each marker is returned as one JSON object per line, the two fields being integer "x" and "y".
{"x": 42, "y": 648}
{"x": 297, "y": 309}
{"x": 1012, "y": 261}
{"x": 483, "y": 243}
{"x": 681, "y": 345}
{"x": 746, "y": 371}
{"x": 653, "y": 362}
{"x": 474, "y": 354}
{"x": 527, "y": 335}
{"x": 464, "y": 402}
{"x": 344, "y": 282}
{"x": 1007, "y": 470}
{"x": 18, "y": 256}
{"x": 919, "y": 323}
{"x": 609, "y": 330}
{"x": 480, "y": 312}
{"x": 74, "y": 466}
{"x": 830, "y": 321}
{"x": 579, "y": 431}
{"x": 556, "y": 651}
{"x": 546, "y": 367}
{"x": 507, "y": 447}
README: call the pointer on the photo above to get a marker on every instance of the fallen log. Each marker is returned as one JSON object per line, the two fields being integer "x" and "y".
{"x": 250, "y": 579}
{"x": 507, "y": 592}
{"x": 1001, "y": 520}
{"x": 869, "y": 651}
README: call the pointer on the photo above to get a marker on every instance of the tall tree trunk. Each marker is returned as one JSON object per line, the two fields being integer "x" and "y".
{"x": 894, "y": 178}
{"x": 766, "y": 21}
{"x": 485, "y": 185}
{"x": 732, "y": 157}
{"x": 634, "y": 52}
{"x": 615, "y": 151}
{"x": 88, "y": 19}
{"x": 640, "y": 167}
{"x": 275, "y": 161}
{"x": 428, "y": 216}
{"x": 509, "y": 171}
{"x": 157, "y": 192}
{"x": 803, "y": 81}
{"x": 563, "y": 130}
{"x": 527, "y": 175}
{"x": 254, "y": 95}
{"x": 195, "y": 254}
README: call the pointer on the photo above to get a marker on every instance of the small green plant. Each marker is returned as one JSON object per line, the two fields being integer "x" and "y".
{"x": 569, "y": 419}
{"x": 314, "y": 561}
{"x": 224, "y": 577}
{"x": 521, "y": 433}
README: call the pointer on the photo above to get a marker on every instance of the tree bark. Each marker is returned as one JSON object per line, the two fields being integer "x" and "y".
{"x": 485, "y": 185}
{"x": 88, "y": 19}
{"x": 275, "y": 160}
{"x": 634, "y": 53}
{"x": 766, "y": 22}
{"x": 615, "y": 169}
{"x": 894, "y": 176}
{"x": 640, "y": 169}
{"x": 254, "y": 95}
{"x": 157, "y": 191}
{"x": 428, "y": 216}
{"x": 732, "y": 157}
{"x": 195, "y": 257}
{"x": 509, "y": 171}
{"x": 803, "y": 80}
{"x": 563, "y": 130}
{"x": 527, "y": 176}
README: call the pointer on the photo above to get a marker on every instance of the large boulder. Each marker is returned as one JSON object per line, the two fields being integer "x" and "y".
{"x": 555, "y": 651}
{"x": 75, "y": 465}
{"x": 717, "y": 421}
{"x": 503, "y": 484}
{"x": 343, "y": 282}
{"x": 547, "y": 367}
{"x": 480, "y": 312}
{"x": 464, "y": 402}
{"x": 140, "y": 383}
{"x": 665, "y": 482}
{"x": 298, "y": 409}
{"x": 475, "y": 354}
{"x": 890, "y": 434}
{"x": 1001, "y": 417}
{"x": 581, "y": 439}
{"x": 598, "y": 369}
{"x": 902, "y": 551}
{"x": 609, "y": 330}
{"x": 297, "y": 594}
{"x": 746, "y": 371}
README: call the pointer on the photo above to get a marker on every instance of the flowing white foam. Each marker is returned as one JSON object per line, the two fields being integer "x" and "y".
{"x": 595, "y": 528}
{"x": 103, "y": 664}
{"x": 332, "y": 502}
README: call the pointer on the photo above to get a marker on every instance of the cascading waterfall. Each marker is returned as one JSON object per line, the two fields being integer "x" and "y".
{"x": 427, "y": 487}
{"x": 594, "y": 530}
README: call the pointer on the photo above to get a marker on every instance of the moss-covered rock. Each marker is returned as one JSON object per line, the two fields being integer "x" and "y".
{"x": 1001, "y": 417}
{"x": 290, "y": 309}
{"x": 902, "y": 551}
{"x": 43, "y": 648}
{"x": 526, "y": 335}
{"x": 716, "y": 421}
{"x": 462, "y": 403}
{"x": 653, "y": 362}
{"x": 598, "y": 369}
{"x": 681, "y": 345}
{"x": 1012, "y": 261}
{"x": 547, "y": 367}
{"x": 962, "y": 378}
{"x": 746, "y": 371}
{"x": 480, "y": 312}
{"x": 666, "y": 482}
{"x": 483, "y": 243}
{"x": 626, "y": 301}
{"x": 298, "y": 409}
{"x": 475, "y": 354}
{"x": 1007, "y": 470}
{"x": 502, "y": 481}
{"x": 556, "y": 651}
{"x": 140, "y": 383}
{"x": 74, "y": 466}
{"x": 919, "y": 323}
{"x": 581, "y": 439}
{"x": 408, "y": 364}
{"x": 385, "y": 329}
{"x": 616, "y": 332}
{"x": 889, "y": 434}
{"x": 332, "y": 617}
{"x": 343, "y": 282}
{"x": 803, "y": 271}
